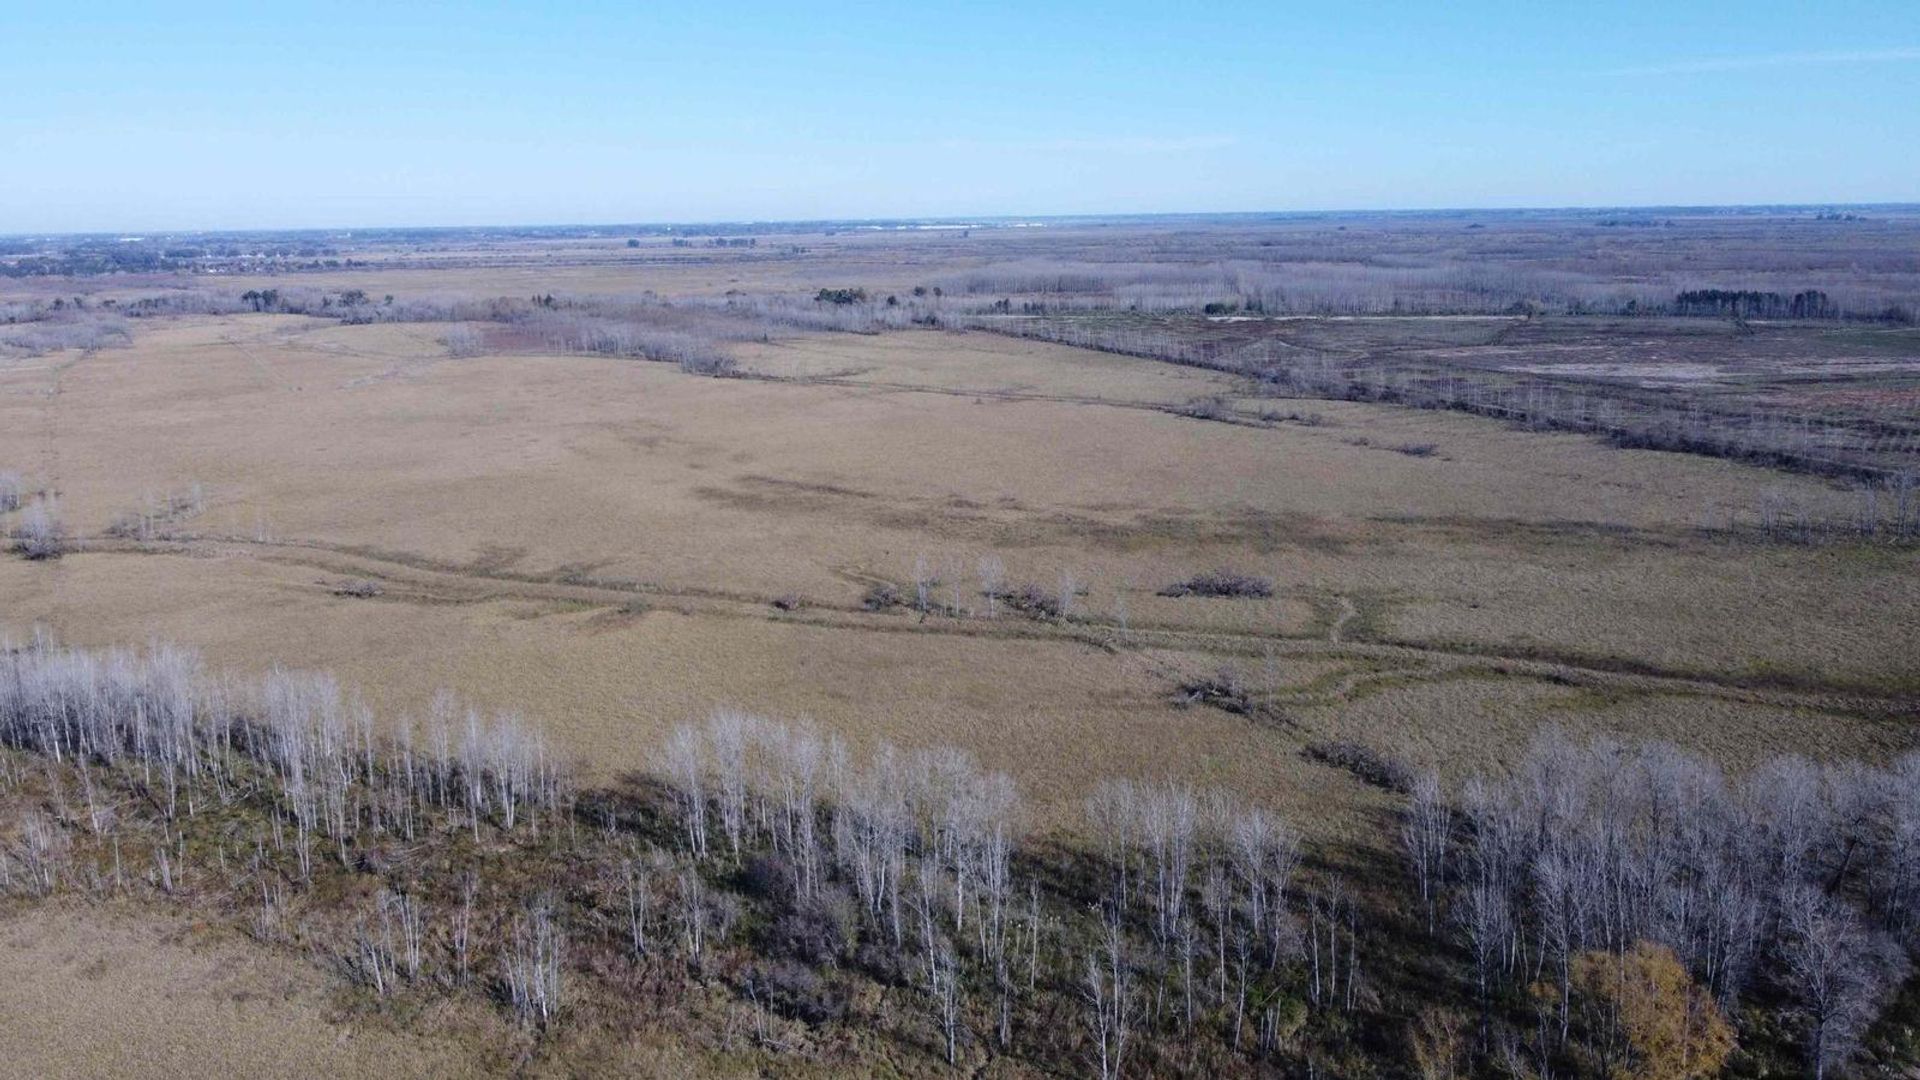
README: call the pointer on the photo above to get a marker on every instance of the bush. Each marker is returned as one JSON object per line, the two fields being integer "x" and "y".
{"x": 841, "y": 296}
{"x": 1364, "y": 762}
{"x": 11, "y": 489}
{"x": 40, "y": 534}
{"x": 464, "y": 340}
{"x": 1032, "y": 600}
{"x": 360, "y": 589}
{"x": 1224, "y": 689}
{"x": 795, "y": 990}
{"x": 1212, "y": 407}
{"x": 881, "y": 595}
{"x": 817, "y": 930}
{"x": 1425, "y": 449}
{"x": 703, "y": 362}
{"x": 1220, "y": 583}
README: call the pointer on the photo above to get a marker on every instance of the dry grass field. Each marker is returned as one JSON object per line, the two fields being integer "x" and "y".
{"x": 99, "y": 993}
{"x": 598, "y": 544}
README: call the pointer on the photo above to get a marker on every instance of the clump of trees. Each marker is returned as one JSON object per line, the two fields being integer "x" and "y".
{"x": 1755, "y": 304}
{"x": 1574, "y": 879}
{"x": 1226, "y": 583}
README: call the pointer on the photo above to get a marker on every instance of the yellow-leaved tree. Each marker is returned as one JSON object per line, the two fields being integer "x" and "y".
{"x": 1645, "y": 1019}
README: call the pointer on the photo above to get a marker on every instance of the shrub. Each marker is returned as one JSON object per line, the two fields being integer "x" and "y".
{"x": 1033, "y": 600}
{"x": 817, "y": 929}
{"x": 1211, "y": 407}
{"x": 40, "y": 534}
{"x": 841, "y": 296}
{"x": 1367, "y": 764}
{"x": 464, "y": 340}
{"x": 1220, "y": 583}
{"x": 1425, "y": 449}
{"x": 795, "y": 990}
{"x": 1224, "y": 689}
{"x": 359, "y": 588}
{"x": 705, "y": 362}
{"x": 881, "y": 595}
{"x": 11, "y": 489}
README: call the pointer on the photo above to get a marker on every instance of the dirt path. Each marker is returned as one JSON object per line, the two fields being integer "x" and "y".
{"x": 409, "y": 577}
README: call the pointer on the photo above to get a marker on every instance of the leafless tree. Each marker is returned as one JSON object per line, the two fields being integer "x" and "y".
{"x": 1425, "y": 831}
{"x": 39, "y": 533}
{"x": 944, "y": 988}
{"x": 1833, "y": 970}
{"x": 532, "y": 963}
{"x": 1107, "y": 987}
{"x": 993, "y": 582}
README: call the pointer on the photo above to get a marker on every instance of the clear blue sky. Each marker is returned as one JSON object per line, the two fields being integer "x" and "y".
{"x": 124, "y": 116}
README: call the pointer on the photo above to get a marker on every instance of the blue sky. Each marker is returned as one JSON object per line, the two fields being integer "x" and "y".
{"x": 156, "y": 116}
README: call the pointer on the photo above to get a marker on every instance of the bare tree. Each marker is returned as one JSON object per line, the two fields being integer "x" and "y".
{"x": 532, "y": 962}
{"x": 1834, "y": 974}
{"x": 1425, "y": 830}
{"x": 993, "y": 582}
{"x": 944, "y": 988}
{"x": 39, "y": 533}
{"x": 1108, "y": 991}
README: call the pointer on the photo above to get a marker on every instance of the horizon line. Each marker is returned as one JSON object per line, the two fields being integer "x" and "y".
{"x": 983, "y": 220}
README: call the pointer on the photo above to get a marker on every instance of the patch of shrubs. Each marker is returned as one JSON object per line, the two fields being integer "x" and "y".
{"x": 795, "y": 990}
{"x": 841, "y": 296}
{"x": 359, "y": 589}
{"x": 817, "y": 930}
{"x": 1212, "y": 407}
{"x": 1033, "y": 601}
{"x": 881, "y": 595}
{"x": 1370, "y": 766}
{"x": 1224, "y": 689}
{"x": 1220, "y": 583}
{"x": 39, "y": 535}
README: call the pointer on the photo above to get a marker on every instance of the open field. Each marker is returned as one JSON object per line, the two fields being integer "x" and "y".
{"x": 598, "y": 544}
{"x": 961, "y": 528}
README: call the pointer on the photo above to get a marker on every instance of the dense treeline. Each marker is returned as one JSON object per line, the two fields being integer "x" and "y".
{"x": 1603, "y": 910}
{"x": 1755, "y": 304}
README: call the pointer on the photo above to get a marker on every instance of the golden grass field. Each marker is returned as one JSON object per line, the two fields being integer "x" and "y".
{"x": 596, "y": 544}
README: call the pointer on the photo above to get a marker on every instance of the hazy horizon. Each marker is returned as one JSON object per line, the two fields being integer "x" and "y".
{"x": 126, "y": 118}
{"x": 909, "y": 221}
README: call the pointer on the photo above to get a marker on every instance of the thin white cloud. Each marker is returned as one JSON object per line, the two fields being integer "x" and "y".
{"x": 1773, "y": 60}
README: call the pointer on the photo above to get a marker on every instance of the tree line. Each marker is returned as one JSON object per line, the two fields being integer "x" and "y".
{"x": 1601, "y": 910}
